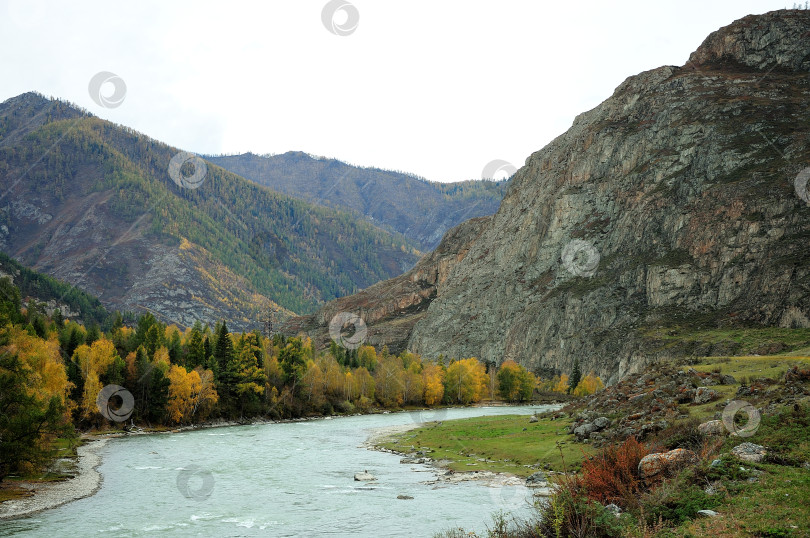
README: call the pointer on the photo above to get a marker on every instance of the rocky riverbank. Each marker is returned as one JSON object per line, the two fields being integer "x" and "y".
{"x": 45, "y": 496}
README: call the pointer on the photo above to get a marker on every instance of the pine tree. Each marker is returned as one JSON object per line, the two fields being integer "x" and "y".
{"x": 196, "y": 350}
{"x": 223, "y": 350}
{"x": 576, "y": 376}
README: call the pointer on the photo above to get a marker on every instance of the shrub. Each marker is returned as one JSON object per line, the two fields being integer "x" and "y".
{"x": 682, "y": 434}
{"x": 676, "y": 502}
{"x": 611, "y": 476}
{"x": 346, "y": 407}
{"x": 569, "y": 512}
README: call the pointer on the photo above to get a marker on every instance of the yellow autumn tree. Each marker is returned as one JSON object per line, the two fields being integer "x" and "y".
{"x": 367, "y": 357}
{"x": 412, "y": 383}
{"x": 161, "y": 357}
{"x": 206, "y": 396}
{"x": 190, "y": 393}
{"x": 312, "y": 384}
{"x": 96, "y": 358}
{"x": 93, "y": 361}
{"x": 47, "y": 375}
{"x": 333, "y": 376}
{"x": 466, "y": 381}
{"x": 389, "y": 381}
{"x": 589, "y": 385}
{"x": 363, "y": 384}
{"x": 181, "y": 390}
{"x": 562, "y": 384}
{"x": 432, "y": 382}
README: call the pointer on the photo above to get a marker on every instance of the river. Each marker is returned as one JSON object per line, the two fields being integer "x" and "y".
{"x": 287, "y": 479}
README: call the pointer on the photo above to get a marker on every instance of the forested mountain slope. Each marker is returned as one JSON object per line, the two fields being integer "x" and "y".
{"x": 93, "y": 204}
{"x": 420, "y": 210}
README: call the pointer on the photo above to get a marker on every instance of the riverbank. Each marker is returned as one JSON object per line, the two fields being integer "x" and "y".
{"x": 516, "y": 445}
{"x": 476, "y": 449}
{"x": 47, "y": 495}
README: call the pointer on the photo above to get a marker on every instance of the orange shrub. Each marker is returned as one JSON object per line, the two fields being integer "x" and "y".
{"x": 611, "y": 476}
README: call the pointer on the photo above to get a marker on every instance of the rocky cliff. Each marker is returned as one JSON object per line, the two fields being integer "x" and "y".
{"x": 392, "y": 307}
{"x": 678, "y": 201}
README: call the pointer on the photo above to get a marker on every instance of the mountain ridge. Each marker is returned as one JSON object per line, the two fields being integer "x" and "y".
{"x": 92, "y": 203}
{"x": 419, "y": 209}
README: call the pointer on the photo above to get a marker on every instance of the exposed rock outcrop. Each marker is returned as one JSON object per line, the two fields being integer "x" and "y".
{"x": 677, "y": 194}
{"x": 392, "y": 307}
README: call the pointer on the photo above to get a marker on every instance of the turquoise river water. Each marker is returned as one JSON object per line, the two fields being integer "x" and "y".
{"x": 286, "y": 479}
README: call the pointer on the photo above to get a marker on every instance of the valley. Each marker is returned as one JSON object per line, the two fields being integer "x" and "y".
{"x": 611, "y": 340}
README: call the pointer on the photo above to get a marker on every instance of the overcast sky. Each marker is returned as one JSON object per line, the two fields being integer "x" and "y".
{"x": 438, "y": 88}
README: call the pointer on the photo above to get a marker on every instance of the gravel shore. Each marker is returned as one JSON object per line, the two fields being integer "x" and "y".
{"x": 379, "y": 435}
{"x": 52, "y": 494}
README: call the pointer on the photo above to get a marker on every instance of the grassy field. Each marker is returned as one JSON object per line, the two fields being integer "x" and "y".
{"x": 777, "y": 503}
{"x": 742, "y": 368}
{"x": 775, "y": 506}
{"x": 744, "y": 341}
{"x": 508, "y": 444}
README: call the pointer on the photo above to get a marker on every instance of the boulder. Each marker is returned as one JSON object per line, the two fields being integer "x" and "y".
{"x": 601, "y": 423}
{"x": 616, "y": 510}
{"x": 712, "y": 427}
{"x": 654, "y": 464}
{"x": 750, "y": 452}
{"x": 704, "y": 395}
{"x": 365, "y": 476}
{"x": 582, "y": 432}
{"x": 533, "y": 419}
{"x": 707, "y": 513}
{"x": 685, "y": 394}
{"x": 536, "y": 479}
{"x": 726, "y": 379}
{"x": 404, "y": 497}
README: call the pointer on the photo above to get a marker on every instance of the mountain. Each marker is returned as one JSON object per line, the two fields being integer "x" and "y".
{"x": 420, "y": 210}
{"x": 391, "y": 308}
{"x": 93, "y": 204}
{"x": 678, "y": 204}
{"x": 55, "y": 295}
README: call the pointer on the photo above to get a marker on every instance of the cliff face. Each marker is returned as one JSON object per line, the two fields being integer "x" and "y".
{"x": 392, "y": 307}
{"x": 672, "y": 203}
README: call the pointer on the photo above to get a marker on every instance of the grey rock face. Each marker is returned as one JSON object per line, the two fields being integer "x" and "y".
{"x": 675, "y": 183}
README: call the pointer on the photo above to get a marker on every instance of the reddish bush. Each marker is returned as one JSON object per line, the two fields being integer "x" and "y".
{"x": 797, "y": 374}
{"x": 611, "y": 476}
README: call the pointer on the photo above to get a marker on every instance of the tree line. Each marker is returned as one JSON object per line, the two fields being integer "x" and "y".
{"x": 53, "y": 371}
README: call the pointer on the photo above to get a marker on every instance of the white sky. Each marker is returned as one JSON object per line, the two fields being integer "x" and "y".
{"x": 438, "y": 88}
